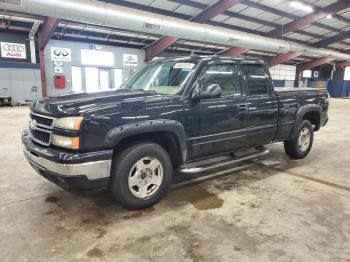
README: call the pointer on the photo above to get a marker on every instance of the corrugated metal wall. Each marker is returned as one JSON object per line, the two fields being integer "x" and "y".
{"x": 20, "y": 84}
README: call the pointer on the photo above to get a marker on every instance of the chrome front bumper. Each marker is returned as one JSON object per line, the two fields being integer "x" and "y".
{"x": 92, "y": 170}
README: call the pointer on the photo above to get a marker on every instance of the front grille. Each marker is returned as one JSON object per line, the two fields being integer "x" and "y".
{"x": 40, "y": 129}
{"x": 42, "y": 120}
{"x": 41, "y": 136}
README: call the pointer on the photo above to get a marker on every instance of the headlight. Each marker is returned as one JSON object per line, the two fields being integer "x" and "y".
{"x": 64, "y": 141}
{"x": 69, "y": 123}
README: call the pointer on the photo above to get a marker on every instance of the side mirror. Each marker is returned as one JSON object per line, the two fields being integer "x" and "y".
{"x": 207, "y": 91}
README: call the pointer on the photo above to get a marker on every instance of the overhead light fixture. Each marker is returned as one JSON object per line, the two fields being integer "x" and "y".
{"x": 329, "y": 16}
{"x": 301, "y": 6}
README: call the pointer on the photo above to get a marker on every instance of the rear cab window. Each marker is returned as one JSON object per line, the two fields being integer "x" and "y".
{"x": 257, "y": 78}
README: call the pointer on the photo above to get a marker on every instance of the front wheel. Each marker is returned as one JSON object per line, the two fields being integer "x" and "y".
{"x": 141, "y": 175}
{"x": 300, "y": 146}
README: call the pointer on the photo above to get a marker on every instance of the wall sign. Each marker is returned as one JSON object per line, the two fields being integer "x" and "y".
{"x": 59, "y": 54}
{"x": 130, "y": 60}
{"x": 13, "y": 50}
{"x": 96, "y": 47}
{"x": 58, "y": 69}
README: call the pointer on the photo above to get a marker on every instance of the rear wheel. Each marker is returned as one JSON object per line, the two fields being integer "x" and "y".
{"x": 300, "y": 146}
{"x": 141, "y": 175}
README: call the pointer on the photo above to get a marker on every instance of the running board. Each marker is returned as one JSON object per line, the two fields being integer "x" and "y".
{"x": 217, "y": 162}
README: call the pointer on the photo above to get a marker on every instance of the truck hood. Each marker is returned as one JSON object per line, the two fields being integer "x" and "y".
{"x": 84, "y": 103}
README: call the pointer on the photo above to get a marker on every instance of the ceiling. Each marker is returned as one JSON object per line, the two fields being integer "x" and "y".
{"x": 252, "y": 16}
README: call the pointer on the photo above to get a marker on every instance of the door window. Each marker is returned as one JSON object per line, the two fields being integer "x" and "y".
{"x": 226, "y": 75}
{"x": 257, "y": 79}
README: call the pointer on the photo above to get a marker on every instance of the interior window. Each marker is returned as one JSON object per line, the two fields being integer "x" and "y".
{"x": 257, "y": 79}
{"x": 226, "y": 75}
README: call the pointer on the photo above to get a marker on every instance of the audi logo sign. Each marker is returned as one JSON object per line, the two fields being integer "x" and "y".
{"x": 13, "y": 50}
{"x": 13, "y": 47}
{"x": 61, "y": 54}
{"x": 129, "y": 60}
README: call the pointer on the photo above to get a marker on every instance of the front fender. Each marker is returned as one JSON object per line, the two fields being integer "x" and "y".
{"x": 119, "y": 133}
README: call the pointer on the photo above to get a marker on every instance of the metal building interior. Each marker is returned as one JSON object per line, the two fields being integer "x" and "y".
{"x": 271, "y": 208}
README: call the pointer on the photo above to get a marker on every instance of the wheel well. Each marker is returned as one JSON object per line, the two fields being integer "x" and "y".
{"x": 315, "y": 118}
{"x": 167, "y": 140}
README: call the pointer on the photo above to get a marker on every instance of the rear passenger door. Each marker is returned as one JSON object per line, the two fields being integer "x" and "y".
{"x": 262, "y": 104}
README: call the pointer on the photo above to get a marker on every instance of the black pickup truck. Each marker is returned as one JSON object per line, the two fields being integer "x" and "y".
{"x": 178, "y": 113}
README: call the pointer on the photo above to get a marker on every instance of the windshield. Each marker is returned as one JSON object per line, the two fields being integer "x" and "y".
{"x": 164, "y": 77}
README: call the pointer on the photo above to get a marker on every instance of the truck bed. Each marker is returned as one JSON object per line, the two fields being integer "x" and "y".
{"x": 298, "y": 89}
{"x": 292, "y": 100}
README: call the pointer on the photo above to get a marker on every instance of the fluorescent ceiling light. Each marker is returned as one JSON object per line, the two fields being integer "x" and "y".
{"x": 301, "y": 6}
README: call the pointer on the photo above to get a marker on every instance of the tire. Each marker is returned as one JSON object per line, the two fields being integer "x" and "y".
{"x": 141, "y": 175}
{"x": 300, "y": 146}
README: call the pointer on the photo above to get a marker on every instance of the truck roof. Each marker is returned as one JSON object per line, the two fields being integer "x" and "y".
{"x": 213, "y": 57}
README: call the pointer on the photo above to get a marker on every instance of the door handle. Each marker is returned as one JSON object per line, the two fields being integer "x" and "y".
{"x": 242, "y": 107}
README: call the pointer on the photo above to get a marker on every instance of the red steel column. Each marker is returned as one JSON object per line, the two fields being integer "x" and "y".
{"x": 297, "y": 77}
{"x": 310, "y": 65}
{"x": 43, "y": 73}
{"x": 47, "y": 30}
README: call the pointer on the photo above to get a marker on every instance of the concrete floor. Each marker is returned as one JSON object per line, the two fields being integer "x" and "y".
{"x": 276, "y": 209}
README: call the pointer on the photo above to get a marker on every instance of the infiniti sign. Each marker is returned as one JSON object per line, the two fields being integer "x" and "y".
{"x": 13, "y": 50}
{"x": 61, "y": 54}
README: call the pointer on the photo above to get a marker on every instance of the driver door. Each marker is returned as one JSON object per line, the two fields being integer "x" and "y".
{"x": 220, "y": 119}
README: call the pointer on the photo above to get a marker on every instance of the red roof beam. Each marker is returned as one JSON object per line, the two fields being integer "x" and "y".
{"x": 235, "y": 51}
{"x": 310, "y": 18}
{"x": 159, "y": 46}
{"x": 214, "y": 10}
{"x": 342, "y": 64}
{"x": 282, "y": 58}
{"x": 299, "y": 23}
{"x": 162, "y": 44}
{"x": 314, "y": 63}
{"x": 46, "y": 31}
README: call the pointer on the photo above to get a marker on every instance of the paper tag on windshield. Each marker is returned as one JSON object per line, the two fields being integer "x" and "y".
{"x": 183, "y": 65}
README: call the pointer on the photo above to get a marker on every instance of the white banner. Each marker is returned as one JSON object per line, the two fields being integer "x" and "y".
{"x": 13, "y": 50}
{"x": 61, "y": 54}
{"x": 130, "y": 60}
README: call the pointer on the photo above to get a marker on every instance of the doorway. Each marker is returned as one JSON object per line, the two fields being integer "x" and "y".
{"x": 94, "y": 79}
{"x": 97, "y": 79}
